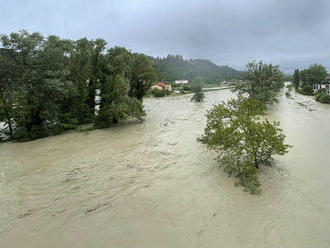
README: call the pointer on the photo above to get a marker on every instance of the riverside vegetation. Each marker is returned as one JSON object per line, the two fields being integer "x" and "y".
{"x": 304, "y": 80}
{"x": 49, "y": 85}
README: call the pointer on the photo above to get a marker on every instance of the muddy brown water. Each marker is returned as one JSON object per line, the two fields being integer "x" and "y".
{"x": 152, "y": 184}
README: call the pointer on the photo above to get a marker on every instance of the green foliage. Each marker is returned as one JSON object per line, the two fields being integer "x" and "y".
{"x": 287, "y": 94}
{"x": 315, "y": 74}
{"x": 174, "y": 67}
{"x": 116, "y": 104}
{"x": 306, "y": 89}
{"x": 243, "y": 141}
{"x": 263, "y": 81}
{"x": 158, "y": 92}
{"x": 197, "y": 88}
{"x": 290, "y": 87}
{"x": 198, "y": 96}
{"x": 48, "y": 84}
{"x": 322, "y": 96}
{"x": 142, "y": 75}
{"x": 296, "y": 78}
{"x": 186, "y": 88}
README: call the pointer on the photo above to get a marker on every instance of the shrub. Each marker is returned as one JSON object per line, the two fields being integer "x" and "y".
{"x": 158, "y": 93}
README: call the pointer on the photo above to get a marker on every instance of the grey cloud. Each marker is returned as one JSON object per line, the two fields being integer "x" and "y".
{"x": 292, "y": 33}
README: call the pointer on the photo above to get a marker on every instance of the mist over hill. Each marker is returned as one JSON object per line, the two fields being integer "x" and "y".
{"x": 175, "y": 67}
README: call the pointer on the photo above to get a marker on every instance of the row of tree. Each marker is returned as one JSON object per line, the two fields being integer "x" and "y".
{"x": 49, "y": 84}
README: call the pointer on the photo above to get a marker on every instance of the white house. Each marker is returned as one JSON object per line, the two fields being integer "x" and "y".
{"x": 181, "y": 82}
{"x": 325, "y": 84}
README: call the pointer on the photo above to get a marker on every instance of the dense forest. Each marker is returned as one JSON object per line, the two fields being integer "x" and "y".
{"x": 49, "y": 84}
{"x": 174, "y": 67}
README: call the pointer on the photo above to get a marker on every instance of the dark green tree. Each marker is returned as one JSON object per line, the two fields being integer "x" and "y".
{"x": 141, "y": 75}
{"x": 296, "y": 78}
{"x": 263, "y": 81}
{"x": 196, "y": 87}
{"x": 116, "y": 104}
{"x": 40, "y": 75}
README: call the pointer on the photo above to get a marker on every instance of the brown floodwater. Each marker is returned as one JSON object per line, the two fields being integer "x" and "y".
{"x": 152, "y": 184}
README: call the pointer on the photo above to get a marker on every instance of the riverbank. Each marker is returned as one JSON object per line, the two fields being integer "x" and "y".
{"x": 152, "y": 184}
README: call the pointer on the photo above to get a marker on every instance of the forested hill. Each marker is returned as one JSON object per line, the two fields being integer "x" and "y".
{"x": 174, "y": 67}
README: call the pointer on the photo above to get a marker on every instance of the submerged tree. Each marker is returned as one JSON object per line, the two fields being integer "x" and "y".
{"x": 263, "y": 81}
{"x": 48, "y": 84}
{"x": 243, "y": 141}
{"x": 196, "y": 87}
{"x": 116, "y": 104}
{"x": 141, "y": 75}
{"x": 296, "y": 78}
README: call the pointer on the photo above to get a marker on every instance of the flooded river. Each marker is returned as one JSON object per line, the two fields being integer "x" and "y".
{"x": 152, "y": 184}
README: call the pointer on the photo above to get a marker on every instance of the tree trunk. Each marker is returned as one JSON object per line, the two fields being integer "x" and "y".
{"x": 256, "y": 163}
{"x": 10, "y": 126}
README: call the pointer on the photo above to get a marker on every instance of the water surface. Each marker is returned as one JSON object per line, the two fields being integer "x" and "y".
{"x": 152, "y": 184}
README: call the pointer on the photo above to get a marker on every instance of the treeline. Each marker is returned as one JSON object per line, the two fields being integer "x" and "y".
{"x": 174, "y": 67}
{"x": 49, "y": 84}
{"x": 304, "y": 82}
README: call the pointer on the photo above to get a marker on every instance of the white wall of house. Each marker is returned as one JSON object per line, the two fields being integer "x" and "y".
{"x": 156, "y": 87}
{"x": 322, "y": 86}
{"x": 181, "y": 82}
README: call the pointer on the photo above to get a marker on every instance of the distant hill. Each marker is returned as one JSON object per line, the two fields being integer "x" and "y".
{"x": 174, "y": 67}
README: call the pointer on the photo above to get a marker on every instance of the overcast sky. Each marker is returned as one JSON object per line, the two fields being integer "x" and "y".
{"x": 291, "y": 33}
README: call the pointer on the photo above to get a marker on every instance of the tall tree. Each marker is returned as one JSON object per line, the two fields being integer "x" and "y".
{"x": 97, "y": 68}
{"x": 243, "y": 141}
{"x": 196, "y": 87}
{"x": 116, "y": 104}
{"x": 142, "y": 75}
{"x": 39, "y": 75}
{"x": 296, "y": 78}
{"x": 263, "y": 81}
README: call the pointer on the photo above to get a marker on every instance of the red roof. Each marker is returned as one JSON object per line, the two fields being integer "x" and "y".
{"x": 160, "y": 84}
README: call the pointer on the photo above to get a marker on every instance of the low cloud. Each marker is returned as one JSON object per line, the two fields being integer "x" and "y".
{"x": 291, "y": 33}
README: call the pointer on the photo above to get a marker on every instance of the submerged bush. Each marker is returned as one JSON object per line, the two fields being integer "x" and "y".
{"x": 322, "y": 96}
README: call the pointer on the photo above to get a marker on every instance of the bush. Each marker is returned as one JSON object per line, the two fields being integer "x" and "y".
{"x": 287, "y": 94}
{"x": 307, "y": 89}
{"x": 186, "y": 88}
{"x": 160, "y": 93}
{"x": 322, "y": 96}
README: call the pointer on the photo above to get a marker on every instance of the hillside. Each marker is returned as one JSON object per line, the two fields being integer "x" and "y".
{"x": 175, "y": 67}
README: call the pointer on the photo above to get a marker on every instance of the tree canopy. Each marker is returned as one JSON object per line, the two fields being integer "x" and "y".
{"x": 244, "y": 142}
{"x": 49, "y": 84}
{"x": 315, "y": 74}
{"x": 262, "y": 81}
{"x": 196, "y": 87}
